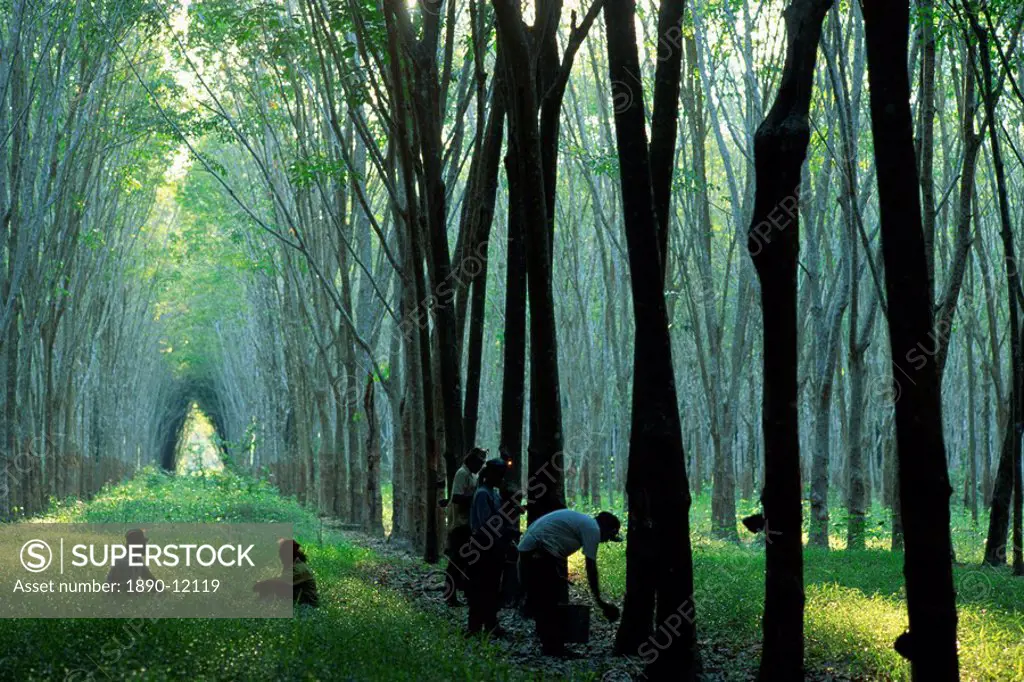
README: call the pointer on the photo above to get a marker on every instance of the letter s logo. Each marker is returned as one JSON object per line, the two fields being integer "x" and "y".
{"x": 36, "y": 556}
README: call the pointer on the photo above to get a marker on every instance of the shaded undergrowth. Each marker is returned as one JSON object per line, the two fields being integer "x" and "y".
{"x": 361, "y": 632}
{"x": 855, "y": 607}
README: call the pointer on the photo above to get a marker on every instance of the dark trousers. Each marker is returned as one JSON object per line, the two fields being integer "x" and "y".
{"x": 547, "y": 586}
{"x": 511, "y": 587}
{"x": 456, "y": 575}
{"x": 484, "y": 590}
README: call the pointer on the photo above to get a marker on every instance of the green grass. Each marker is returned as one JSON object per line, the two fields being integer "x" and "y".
{"x": 855, "y": 606}
{"x": 361, "y": 632}
{"x": 855, "y": 609}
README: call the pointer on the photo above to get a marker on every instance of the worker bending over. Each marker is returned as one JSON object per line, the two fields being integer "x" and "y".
{"x": 545, "y": 546}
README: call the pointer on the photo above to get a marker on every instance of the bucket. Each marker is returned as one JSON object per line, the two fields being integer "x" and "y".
{"x": 575, "y": 621}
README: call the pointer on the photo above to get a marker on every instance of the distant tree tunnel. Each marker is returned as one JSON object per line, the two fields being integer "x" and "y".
{"x": 174, "y": 415}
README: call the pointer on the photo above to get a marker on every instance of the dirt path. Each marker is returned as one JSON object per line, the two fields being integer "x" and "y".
{"x": 424, "y": 585}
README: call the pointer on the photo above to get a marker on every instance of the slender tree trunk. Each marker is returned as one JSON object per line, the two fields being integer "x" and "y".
{"x": 352, "y": 419}
{"x": 545, "y": 467}
{"x": 343, "y": 494}
{"x": 1008, "y": 476}
{"x": 658, "y": 494}
{"x": 10, "y": 410}
{"x": 923, "y": 479}
{"x": 430, "y": 460}
{"x": 857, "y": 502}
{"x": 780, "y": 147}
{"x": 328, "y": 456}
{"x": 475, "y": 264}
{"x": 513, "y": 383}
{"x": 818, "y": 536}
{"x": 986, "y": 450}
{"x": 926, "y": 138}
{"x": 971, "y": 500}
{"x": 374, "y": 506}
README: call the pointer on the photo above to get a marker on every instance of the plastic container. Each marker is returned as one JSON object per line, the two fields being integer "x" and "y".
{"x": 575, "y": 621}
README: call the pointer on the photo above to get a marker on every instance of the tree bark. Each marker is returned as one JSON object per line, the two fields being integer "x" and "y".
{"x": 513, "y": 383}
{"x": 923, "y": 479}
{"x": 475, "y": 263}
{"x": 926, "y": 137}
{"x": 780, "y": 147}
{"x": 545, "y": 468}
{"x": 374, "y": 505}
{"x": 659, "y": 567}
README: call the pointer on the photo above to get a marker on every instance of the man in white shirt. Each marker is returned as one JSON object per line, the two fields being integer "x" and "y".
{"x": 548, "y": 542}
{"x": 463, "y": 487}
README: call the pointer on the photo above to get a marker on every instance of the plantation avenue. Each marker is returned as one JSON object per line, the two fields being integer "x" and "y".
{"x": 600, "y": 340}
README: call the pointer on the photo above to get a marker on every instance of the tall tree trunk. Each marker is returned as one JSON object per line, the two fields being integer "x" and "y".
{"x": 857, "y": 502}
{"x": 986, "y": 451}
{"x": 659, "y": 562}
{"x": 971, "y": 499}
{"x": 780, "y": 146}
{"x": 343, "y": 495}
{"x": 513, "y": 383}
{"x": 923, "y": 479}
{"x": 474, "y": 263}
{"x": 426, "y": 97}
{"x": 356, "y": 465}
{"x": 374, "y": 506}
{"x": 415, "y": 425}
{"x": 545, "y": 468}
{"x": 430, "y": 459}
{"x": 10, "y": 409}
{"x": 1008, "y": 476}
{"x": 926, "y": 136}
{"x": 328, "y": 456}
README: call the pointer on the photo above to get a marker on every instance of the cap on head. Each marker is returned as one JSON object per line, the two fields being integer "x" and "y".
{"x": 494, "y": 470}
{"x": 610, "y": 526}
{"x": 287, "y": 546}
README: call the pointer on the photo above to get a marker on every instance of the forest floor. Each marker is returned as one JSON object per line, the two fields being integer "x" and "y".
{"x": 855, "y": 609}
{"x": 855, "y": 602}
{"x": 382, "y": 618}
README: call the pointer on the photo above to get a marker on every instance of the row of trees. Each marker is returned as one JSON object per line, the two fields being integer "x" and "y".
{"x": 425, "y": 104}
{"x": 81, "y": 152}
{"x": 843, "y": 388}
{"x": 368, "y": 147}
{"x": 399, "y": 233}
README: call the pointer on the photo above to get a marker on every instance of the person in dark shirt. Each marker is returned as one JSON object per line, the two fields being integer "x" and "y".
{"x": 491, "y": 534}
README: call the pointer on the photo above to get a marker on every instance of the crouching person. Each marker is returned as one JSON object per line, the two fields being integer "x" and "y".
{"x": 545, "y": 546}
{"x": 485, "y": 553}
{"x": 299, "y": 585}
{"x": 132, "y": 579}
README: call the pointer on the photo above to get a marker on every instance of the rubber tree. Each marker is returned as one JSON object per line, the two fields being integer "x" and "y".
{"x": 780, "y": 147}
{"x": 659, "y": 562}
{"x": 924, "y": 488}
